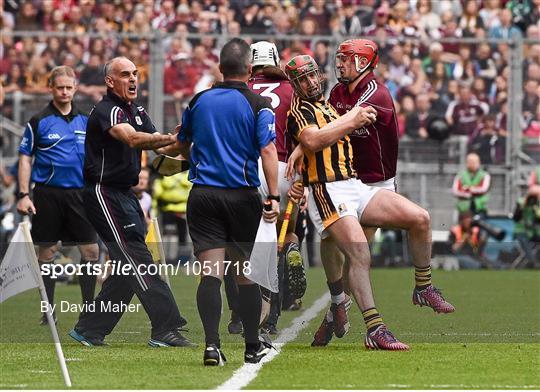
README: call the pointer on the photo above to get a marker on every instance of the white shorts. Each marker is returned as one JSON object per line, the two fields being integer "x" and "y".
{"x": 329, "y": 202}
{"x": 389, "y": 184}
{"x": 283, "y": 185}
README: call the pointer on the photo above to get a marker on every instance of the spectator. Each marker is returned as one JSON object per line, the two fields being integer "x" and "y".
{"x": 249, "y": 21}
{"x": 489, "y": 142}
{"x": 200, "y": 61}
{"x": 479, "y": 89}
{"x": 91, "y": 79}
{"x": 467, "y": 242}
{"x": 490, "y": 14}
{"x": 397, "y": 65}
{"x": 449, "y": 29}
{"x": 506, "y": 30}
{"x": 531, "y": 99}
{"x": 140, "y": 190}
{"x": 349, "y": 22}
{"x": 15, "y": 80}
{"x": 453, "y": 6}
{"x": 179, "y": 78}
{"x": 527, "y": 218}
{"x": 533, "y": 128}
{"x": 37, "y": 75}
{"x": 435, "y": 57}
{"x": 417, "y": 121}
{"x": 398, "y": 20}
{"x": 170, "y": 195}
{"x": 415, "y": 81}
{"x": 365, "y": 11}
{"x": 428, "y": 20}
{"x": 440, "y": 89}
{"x": 470, "y": 21}
{"x": 26, "y": 18}
{"x": 320, "y": 14}
{"x": 139, "y": 24}
{"x": 465, "y": 113}
{"x": 464, "y": 68}
{"x": 471, "y": 187}
{"x": 498, "y": 92}
{"x": 380, "y": 29}
{"x": 484, "y": 65}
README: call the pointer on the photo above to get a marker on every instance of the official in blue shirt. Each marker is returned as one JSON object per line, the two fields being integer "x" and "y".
{"x": 224, "y": 131}
{"x": 54, "y": 138}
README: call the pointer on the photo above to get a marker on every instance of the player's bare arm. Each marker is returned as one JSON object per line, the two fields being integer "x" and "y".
{"x": 316, "y": 139}
{"x": 145, "y": 141}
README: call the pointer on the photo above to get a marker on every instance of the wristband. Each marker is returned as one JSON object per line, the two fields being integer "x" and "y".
{"x": 22, "y": 195}
{"x": 274, "y": 197}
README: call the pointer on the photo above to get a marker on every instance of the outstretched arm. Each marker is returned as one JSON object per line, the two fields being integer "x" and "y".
{"x": 145, "y": 141}
{"x": 316, "y": 139}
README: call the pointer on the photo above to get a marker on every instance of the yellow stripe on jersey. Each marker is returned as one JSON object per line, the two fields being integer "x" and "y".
{"x": 333, "y": 163}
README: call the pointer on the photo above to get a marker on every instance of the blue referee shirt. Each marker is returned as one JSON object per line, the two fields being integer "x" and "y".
{"x": 228, "y": 124}
{"x": 57, "y": 143}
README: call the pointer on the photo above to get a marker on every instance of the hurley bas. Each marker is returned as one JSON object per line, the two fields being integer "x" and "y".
{"x": 106, "y": 307}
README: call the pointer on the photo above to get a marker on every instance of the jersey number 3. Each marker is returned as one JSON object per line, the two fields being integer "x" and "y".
{"x": 268, "y": 88}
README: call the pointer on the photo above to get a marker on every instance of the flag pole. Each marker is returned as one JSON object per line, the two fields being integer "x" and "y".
{"x": 48, "y": 313}
{"x": 161, "y": 250}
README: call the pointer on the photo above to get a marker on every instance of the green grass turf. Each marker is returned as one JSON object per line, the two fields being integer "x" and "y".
{"x": 492, "y": 341}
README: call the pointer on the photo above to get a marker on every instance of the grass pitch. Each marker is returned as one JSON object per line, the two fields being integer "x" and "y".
{"x": 492, "y": 341}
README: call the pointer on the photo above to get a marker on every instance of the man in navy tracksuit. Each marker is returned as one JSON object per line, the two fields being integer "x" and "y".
{"x": 55, "y": 139}
{"x": 117, "y": 131}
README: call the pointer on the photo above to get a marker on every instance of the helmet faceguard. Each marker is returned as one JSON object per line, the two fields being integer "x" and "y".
{"x": 355, "y": 50}
{"x": 304, "y": 69}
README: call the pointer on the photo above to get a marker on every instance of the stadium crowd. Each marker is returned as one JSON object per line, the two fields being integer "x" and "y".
{"x": 427, "y": 76}
{"x": 463, "y": 82}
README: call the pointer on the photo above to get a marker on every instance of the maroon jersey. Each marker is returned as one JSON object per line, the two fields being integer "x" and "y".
{"x": 466, "y": 115}
{"x": 279, "y": 92}
{"x": 375, "y": 147}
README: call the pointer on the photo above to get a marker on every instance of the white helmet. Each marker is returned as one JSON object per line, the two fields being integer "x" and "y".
{"x": 264, "y": 53}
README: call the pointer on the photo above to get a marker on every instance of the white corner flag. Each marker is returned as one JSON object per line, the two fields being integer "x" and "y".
{"x": 264, "y": 257}
{"x": 19, "y": 271}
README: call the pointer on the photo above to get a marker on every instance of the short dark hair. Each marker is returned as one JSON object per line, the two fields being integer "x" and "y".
{"x": 235, "y": 58}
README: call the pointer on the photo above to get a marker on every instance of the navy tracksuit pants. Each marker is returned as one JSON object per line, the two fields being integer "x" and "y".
{"x": 118, "y": 219}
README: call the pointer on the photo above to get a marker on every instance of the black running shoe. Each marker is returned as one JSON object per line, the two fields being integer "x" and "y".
{"x": 170, "y": 339}
{"x": 255, "y": 356}
{"x": 235, "y": 326}
{"x": 86, "y": 341}
{"x": 213, "y": 356}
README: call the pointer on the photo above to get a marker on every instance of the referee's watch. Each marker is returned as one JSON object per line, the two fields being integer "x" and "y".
{"x": 22, "y": 195}
{"x": 274, "y": 197}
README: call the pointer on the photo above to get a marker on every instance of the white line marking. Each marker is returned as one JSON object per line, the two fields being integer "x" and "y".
{"x": 247, "y": 373}
{"x": 445, "y": 386}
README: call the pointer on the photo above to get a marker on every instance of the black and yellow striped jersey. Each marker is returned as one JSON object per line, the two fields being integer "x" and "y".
{"x": 333, "y": 163}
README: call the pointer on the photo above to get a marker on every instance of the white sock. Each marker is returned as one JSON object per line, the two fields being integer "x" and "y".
{"x": 337, "y": 299}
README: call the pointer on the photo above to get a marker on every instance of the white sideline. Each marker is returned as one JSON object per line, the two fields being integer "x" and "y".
{"x": 247, "y": 373}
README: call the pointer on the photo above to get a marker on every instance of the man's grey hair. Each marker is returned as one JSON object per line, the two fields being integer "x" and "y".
{"x": 107, "y": 68}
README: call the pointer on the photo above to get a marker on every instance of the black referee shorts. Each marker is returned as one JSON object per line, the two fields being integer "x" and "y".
{"x": 60, "y": 216}
{"x": 221, "y": 217}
